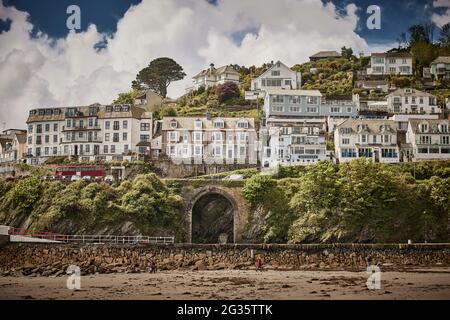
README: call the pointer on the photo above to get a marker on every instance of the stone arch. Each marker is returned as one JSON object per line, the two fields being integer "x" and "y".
{"x": 234, "y": 197}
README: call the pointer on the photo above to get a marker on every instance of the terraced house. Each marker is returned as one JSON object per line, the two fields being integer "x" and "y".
{"x": 366, "y": 138}
{"x": 429, "y": 139}
{"x": 87, "y": 133}
{"x": 12, "y": 148}
{"x": 207, "y": 140}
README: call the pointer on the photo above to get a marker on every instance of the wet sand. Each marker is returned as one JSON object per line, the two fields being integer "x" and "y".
{"x": 235, "y": 284}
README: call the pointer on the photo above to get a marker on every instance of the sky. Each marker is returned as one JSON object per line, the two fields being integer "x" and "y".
{"x": 44, "y": 64}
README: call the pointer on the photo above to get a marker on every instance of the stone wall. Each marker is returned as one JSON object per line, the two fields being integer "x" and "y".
{"x": 47, "y": 259}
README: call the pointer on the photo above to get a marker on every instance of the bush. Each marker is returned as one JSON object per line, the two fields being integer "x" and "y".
{"x": 227, "y": 91}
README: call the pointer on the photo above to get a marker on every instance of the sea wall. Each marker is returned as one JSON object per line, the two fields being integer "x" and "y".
{"x": 53, "y": 259}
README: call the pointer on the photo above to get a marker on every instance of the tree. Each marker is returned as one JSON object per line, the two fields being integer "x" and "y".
{"x": 159, "y": 74}
{"x": 227, "y": 91}
{"x": 346, "y": 52}
{"x": 445, "y": 35}
{"x": 126, "y": 97}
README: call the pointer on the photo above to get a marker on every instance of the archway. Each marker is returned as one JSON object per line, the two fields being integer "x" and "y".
{"x": 213, "y": 218}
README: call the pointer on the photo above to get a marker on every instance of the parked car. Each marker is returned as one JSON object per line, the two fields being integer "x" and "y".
{"x": 75, "y": 178}
{"x": 87, "y": 178}
{"x": 109, "y": 178}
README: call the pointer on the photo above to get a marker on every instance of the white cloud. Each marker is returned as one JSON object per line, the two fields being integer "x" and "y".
{"x": 441, "y": 19}
{"x": 38, "y": 71}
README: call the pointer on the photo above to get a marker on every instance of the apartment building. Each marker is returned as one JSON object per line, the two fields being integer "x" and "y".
{"x": 375, "y": 139}
{"x": 87, "y": 133}
{"x": 429, "y": 139}
{"x": 207, "y": 140}
{"x": 277, "y": 76}
{"x": 394, "y": 63}
{"x": 407, "y": 100}
{"x": 306, "y": 104}
{"x": 293, "y": 141}
{"x": 213, "y": 76}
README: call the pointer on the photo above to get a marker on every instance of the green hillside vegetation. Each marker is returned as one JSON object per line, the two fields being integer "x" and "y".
{"x": 358, "y": 201}
{"x": 90, "y": 208}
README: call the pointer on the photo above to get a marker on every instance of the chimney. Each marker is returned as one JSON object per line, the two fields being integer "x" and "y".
{"x": 211, "y": 66}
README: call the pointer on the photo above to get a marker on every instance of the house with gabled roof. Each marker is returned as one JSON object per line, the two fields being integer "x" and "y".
{"x": 278, "y": 76}
{"x": 213, "y": 76}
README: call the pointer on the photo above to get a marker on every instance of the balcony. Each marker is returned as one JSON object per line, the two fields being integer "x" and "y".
{"x": 82, "y": 128}
{"x": 82, "y": 140}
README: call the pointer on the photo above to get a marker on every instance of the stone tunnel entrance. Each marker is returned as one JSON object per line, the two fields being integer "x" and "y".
{"x": 213, "y": 219}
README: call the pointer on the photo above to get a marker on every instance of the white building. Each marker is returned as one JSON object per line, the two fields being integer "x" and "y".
{"x": 406, "y": 100}
{"x": 291, "y": 142}
{"x": 429, "y": 139}
{"x": 214, "y": 76}
{"x": 87, "y": 133}
{"x": 366, "y": 138}
{"x": 278, "y": 76}
{"x": 402, "y": 120}
{"x": 395, "y": 63}
{"x": 206, "y": 140}
{"x": 12, "y": 149}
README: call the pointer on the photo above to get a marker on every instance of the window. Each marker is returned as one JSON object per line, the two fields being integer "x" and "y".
{"x": 275, "y": 73}
{"x": 365, "y": 152}
{"x": 115, "y": 138}
{"x": 392, "y": 70}
{"x": 125, "y": 136}
{"x": 91, "y": 122}
{"x": 346, "y": 130}
{"x": 39, "y": 128}
{"x": 55, "y": 150}
{"x": 243, "y": 124}
{"x": 38, "y": 152}
{"x": 198, "y": 124}
{"x": 312, "y": 100}
{"x": 30, "y": 140}
{"x": 277, "y": 108}
{"x": 87, "y": 148}
{"x": 81, "y": 124}
{"x": 105, "y": 149}
{"x": 38, "y": 140}
{"x": 335, "y": 110}
{"x": 311, "y": 109}
{"x": 47, "y": 127}
{"x": 445, "y": 139}
{"x": 295, "y": 109}
{"x": 363, "y": 138}
{"x": 219, "y": 124}
{"x": 389, "y": 153}
{"x": 198, "y": 150}
{"x": 287, "y": 82}
{"x": 145, "y": 138}
{"x": 55, "y": 138}
{"x": 125, "y": 148}
{"x": 197, "y": 136}
{"x": 116, "y": 125}
{"x": 109, "y": 109}
{"x": 30, "y": 128}
{"x": 113, "y": 149}
{"x": 425, "y": 139}
{"x": 145, "y": 126}
{"x": 173, "y": 124}
{"x": 392, "y": 60}
{"x": 80, "y": 134}
{"x": 386, "y": 138}
{"x": 443, "y": 128}
{"x": 106, "y": 136}
{"x": 349, "y": 109}
{"x": 345, "y": 141}
{"x": 277, "y": 99}
{"x": 424, "y": 127}
{"x": 348, "y": 153}
{"x": 107, "y": 125}
{"x": 173, "y": 136}
{"x": 125, "y": 124}
{"x": 55, "y": 127}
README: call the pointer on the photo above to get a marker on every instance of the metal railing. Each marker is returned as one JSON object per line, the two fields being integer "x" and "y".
{"x": 94, "y": 239}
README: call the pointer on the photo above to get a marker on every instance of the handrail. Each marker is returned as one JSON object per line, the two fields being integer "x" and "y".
{"x": 97, "y": 239}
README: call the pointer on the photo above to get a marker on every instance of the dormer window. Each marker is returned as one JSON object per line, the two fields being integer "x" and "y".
{"x": 198, "y": 124}
{"x": 243, "y": 124}
{"x": 219, "y": 124}
{"x": 117, "y": 108}
{"x": 109, "y": 108}
{"x": 346, "y": 130}
{"x": 125, "y": 108}
{"x": 424, "y": 127}
{"x": 173, "y": 124}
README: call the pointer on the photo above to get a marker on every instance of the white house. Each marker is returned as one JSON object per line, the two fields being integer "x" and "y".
{"x": 214, "y": 76}
{"x": 396, "y": 63}
{"x": 293, "y": 142}
{"x": 429, "y": 139}
{"x": 366, "y": 138}
{"x": 278, "y": 76}
{"x": 407, "y": 100}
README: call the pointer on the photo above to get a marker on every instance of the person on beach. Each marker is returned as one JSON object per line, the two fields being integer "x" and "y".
{"x": 258, "y": 264}
{"x": 153, "y": 267}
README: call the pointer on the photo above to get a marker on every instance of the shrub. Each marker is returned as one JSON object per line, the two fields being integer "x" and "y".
{"x": 227, "y": 91}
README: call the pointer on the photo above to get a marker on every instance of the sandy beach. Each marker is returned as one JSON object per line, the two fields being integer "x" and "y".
{"x": 235, "y": 284}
